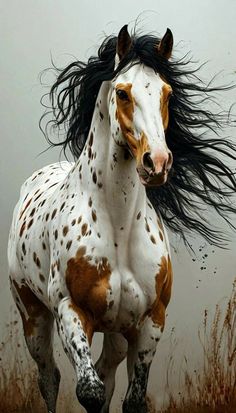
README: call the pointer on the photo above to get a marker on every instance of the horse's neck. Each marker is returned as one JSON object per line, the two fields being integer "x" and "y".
{"x": 105, "y": 173}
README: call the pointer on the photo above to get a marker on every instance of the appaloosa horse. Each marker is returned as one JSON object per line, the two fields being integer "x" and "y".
{"x": 87, "y": 246}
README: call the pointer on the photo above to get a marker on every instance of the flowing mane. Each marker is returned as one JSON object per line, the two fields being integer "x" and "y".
{"x": 200, "y": 177}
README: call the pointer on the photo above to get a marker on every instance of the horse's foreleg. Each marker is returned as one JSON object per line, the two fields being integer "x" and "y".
{"x": 75, "y": 330}
{"x": 113, "y": 352}
{"x": 140, "y": 355}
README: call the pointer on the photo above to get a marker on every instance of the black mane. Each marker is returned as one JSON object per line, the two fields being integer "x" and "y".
{"x": 200, "y": 177}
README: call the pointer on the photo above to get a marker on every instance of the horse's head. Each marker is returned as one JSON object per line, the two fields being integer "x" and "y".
{"x": 139, "y": 109}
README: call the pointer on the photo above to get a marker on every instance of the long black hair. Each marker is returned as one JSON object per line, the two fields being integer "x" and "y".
{"x": 200, "y": 177}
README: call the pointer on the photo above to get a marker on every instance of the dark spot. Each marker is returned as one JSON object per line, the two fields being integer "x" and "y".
{"x": 62, "y": 206}
{"x": 84, "y": 229}
{"x": 73, "y": 222}
{"x": 94, "y": 177}
{"x": 94, "y": 215}
{"x": 139, "y": 215}
{"x": 126, "y": 154}
{"x": 23, "y": 248}
{"x": 30, "y": 223}
{"x": 101, "y": 115}
{"x": 90, "y": 202}
{"x": 56, "y": 234}
{"x": 32, "y": 212}
{"x": 68, "y": 245}
{"x": 36, "y": 260}
{"x": 65, "y": 230}
{"x": 147, "y": 226}
{"x": 41, "y": 277}
{"x": 44, "y": 246}
{"x": 47, "y": 216}
{"x": 152, "y": 239}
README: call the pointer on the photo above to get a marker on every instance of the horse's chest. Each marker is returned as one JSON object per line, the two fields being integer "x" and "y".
{"x": 111, "y": 274}
{"x": 115, "y": 288}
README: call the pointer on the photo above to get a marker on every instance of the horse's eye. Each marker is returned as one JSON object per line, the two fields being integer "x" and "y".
{"x": 122, "y": 94}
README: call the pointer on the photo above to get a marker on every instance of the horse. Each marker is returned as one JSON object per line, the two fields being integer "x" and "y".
{"x": 88, "y": 245}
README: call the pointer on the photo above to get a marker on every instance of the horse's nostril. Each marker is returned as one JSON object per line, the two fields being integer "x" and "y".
{"x": 169, "y": 161}
{"x": 147, "y": 162}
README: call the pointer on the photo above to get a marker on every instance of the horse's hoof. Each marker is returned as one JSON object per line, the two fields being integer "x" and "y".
{"x": 91, "y": 395}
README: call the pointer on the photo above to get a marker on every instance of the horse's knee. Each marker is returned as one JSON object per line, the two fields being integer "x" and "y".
{"x": 91, "y": 395}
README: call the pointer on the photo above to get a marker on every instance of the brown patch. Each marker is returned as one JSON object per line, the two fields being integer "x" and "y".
{"x": 90, "y": 139}
{"x": 141, "y": 146}
{"x": 161, "y": 235}
{"x": 54, "y": 213}
{"x": 79, "y": 220}
{"x": 164, "y": 101}
{"x": 73, "y": 222}
{"x": 65, "y": 230}
{"x": 153, "y": 239}
{"x": 94, "y": 215}
{"x": 147, "y": 226}
{"x": 25, "y": 207}
{"x": 86, "y": 321}
{"x": 33, "y": 306}
{"x": 88, "y": 284}
{"x": 125, "y": 109}
{"x": 163, "y": 292}
{"x": 23, "y": 226}
{"x": 84, "y": 229}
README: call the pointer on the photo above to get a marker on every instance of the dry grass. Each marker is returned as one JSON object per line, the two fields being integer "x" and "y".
{"x": 18, "y": 383}
{"x": 210, "y": 388}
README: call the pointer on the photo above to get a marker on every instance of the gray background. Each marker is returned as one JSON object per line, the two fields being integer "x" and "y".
{"x": 33, "y": 31}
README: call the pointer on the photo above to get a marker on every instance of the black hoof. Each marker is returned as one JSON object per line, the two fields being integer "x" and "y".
{"x": 91, "y": 395}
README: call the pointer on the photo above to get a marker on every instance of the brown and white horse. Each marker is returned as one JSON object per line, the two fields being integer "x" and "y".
{"x": 87, "y": 248}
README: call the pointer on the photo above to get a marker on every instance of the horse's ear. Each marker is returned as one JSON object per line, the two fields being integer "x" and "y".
{"x": 166, "y": 44}
{"x": 123, "y": 42}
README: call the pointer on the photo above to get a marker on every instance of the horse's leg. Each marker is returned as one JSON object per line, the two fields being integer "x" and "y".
{"x": 75, "y": 330}
{"x": 38, "y": 331}
{"x": 114, "y": 351}
{"x": 141, "y": 351}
